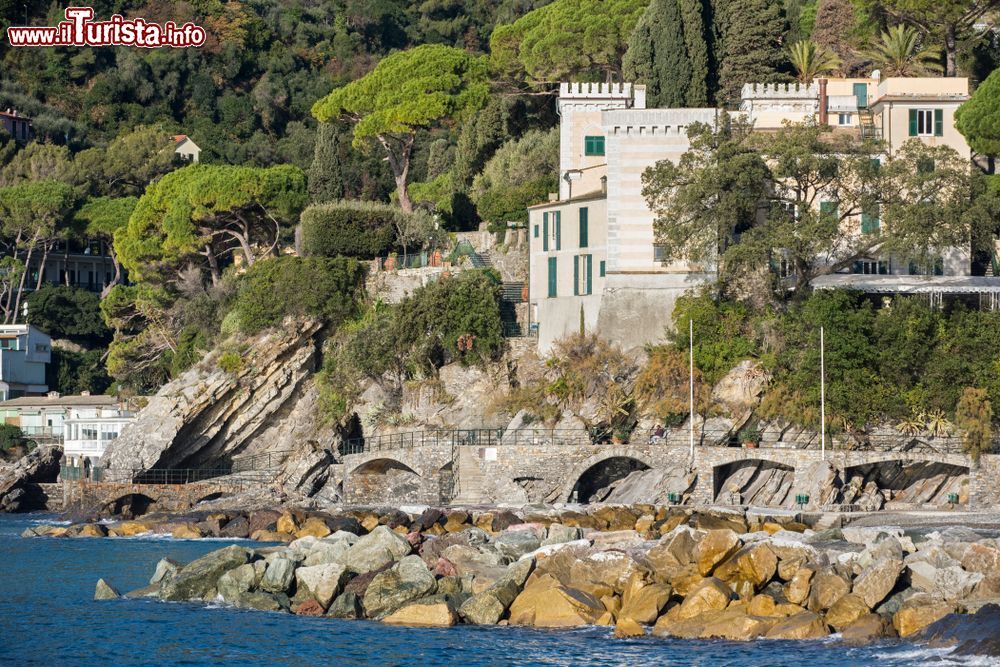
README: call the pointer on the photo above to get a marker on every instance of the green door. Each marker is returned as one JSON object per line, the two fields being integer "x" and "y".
{"x": 552, "y": 277}
{"x": 861, "y": 92}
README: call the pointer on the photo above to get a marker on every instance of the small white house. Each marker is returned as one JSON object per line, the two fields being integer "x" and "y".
{"x": 87, "y": 432}
{"x": 185, "y": 148}
{"x": 41, "y": 417}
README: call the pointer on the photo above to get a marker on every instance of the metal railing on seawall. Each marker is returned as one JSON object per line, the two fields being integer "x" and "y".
{"x": 166, "y": 477}
{"x": 484, "y": 437}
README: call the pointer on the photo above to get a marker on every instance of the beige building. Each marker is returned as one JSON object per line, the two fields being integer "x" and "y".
{"x": 593, "y": 259}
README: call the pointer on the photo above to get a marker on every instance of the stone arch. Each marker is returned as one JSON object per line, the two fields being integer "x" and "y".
{"x": 906, "y": 481}
{"x": 381, "y": 466}
{"x": 753, "y": 481}
{"x": 215, "y": 495}
{"x": 130, "y": 505}
{"x": 591, "y": 481}
{"x": 385, "y": 480}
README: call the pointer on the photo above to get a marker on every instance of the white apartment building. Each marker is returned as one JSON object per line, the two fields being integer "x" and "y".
{"x": 593, "y": 261}
{"x": 87, "y": 432}
{"x": 24, "y": 353}
{"x": 42, "y": 417}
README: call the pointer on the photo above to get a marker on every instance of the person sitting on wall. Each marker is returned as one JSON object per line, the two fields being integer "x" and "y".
{"x": 657, "y": 436}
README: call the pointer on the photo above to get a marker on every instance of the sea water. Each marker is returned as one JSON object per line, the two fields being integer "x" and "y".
{"x": 48, "y": 617}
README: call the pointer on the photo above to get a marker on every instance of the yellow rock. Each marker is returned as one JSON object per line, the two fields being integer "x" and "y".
{"x": 797, "y": 590}
{"x": 92, "y": 530}
{"x": 644, "y": 524}
{"x": 714, "y": 548}
{"x": 671, "y": 522}
{"x": 606, "y": 619}
{"x": 787, "y": 567}
{"x": 762, "y": 605}
{"x": 287, "y": 524}
{"x": 313, "y": 526}
{"x": 685, "y": 580}
{"x": 846, "y": 611}
{"x": 710, "y": 595}
{"x": 612, "y": 603}
{"x": 546, "y": 603}
{"x": 56, "y": 531}
{"x": 736, "y": 625}
{"x": 271, "y": 536}
{"x": 369, "y": 522}
{"x": 645, "y": 603}
{"x": 826, "y": 588}
{"x": 771, "y": 527}
{"x": 626, "y": 627}
{"x": 130, "y": 528}
{"x": 867, "y": 629}
{"x": 434, "y": 615}
{"x": 918, "y": 612}
{"x": 457, "y": 521}
{"x": 218, "y": 516}
{"x": 436, "y": 529}
{"x": 806, "y": 625}
{"x": 484, "y": 522}
{"x": 401, "y": 530}
{"x": 788, "y": 609}
{"x": 669, "y": 625}
{"x": 187, "y": 531}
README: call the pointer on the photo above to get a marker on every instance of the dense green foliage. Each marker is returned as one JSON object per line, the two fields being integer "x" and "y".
{"x": 75, "y": 372}
{"x": 68, "y": 312}
{"x": 979, "y": 118}
{"x": 882, "y": 364}
{"x": 352, "y": 229}
{"x": 10, "y": 436}
{"x": 519, "y": 174}
{"x": 751, "y": 33}
{"x": 455, "y": 319}
{"x": 326, "y": 289}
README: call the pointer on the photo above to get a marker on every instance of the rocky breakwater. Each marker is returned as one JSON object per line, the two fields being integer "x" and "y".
{"x": 19, "y": 482}
{"x": 670, "y": 572}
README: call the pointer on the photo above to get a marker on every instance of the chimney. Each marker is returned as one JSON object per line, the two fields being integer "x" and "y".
{"x": 823, "y": 119}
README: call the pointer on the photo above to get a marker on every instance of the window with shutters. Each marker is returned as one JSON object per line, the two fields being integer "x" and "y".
{"x": 926, "y": 122}
{"x": 828, "y": 208}
{"x": 583, "y": 282}
{"x": 536, "y": 231}
{"x": 545, "y": 231}
{"x": 869, "y": 221}
{"x": 593, "y": 145}
{"x": 553, "y": 277}
{"x": 557, "y": 229}
{"x": 584, "y": 224}
{"x": 602, "y": 268}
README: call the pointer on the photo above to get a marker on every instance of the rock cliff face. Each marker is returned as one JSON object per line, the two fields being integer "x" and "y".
{"x": 19, "y": 490}
{"x": 208, "y": 415}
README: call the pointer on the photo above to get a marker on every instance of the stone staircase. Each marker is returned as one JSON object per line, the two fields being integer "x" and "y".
{"x": 470, "y": 477}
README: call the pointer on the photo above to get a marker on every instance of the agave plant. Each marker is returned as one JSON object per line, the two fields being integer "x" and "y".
{"x": 938, "y": 424}
{"x": 913, "y": 424}
{"x": 810, "y": 60}
{"x": 900, "y": 53}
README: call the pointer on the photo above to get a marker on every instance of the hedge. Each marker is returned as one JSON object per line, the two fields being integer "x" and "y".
{"x": 363, "y": 230}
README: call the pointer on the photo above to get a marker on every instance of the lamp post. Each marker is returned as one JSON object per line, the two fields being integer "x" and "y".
{"x": 822, "y": 395}
{"x": 691, "y": 387}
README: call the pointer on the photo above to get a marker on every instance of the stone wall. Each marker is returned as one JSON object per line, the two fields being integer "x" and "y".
{"x": 419, "y": 475}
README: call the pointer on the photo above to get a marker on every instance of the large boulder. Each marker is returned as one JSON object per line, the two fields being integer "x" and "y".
{"x": 546, "y": 603}
{"x": 846, "y": 611}
{"x": 322, "y": 582}
{"x": 710, "y": 595}
{"x": 516, "y": 543}
{"x": 799, "y": 586}
{"x": 643, "y": 601}
{"x": 243, "y": 579}
{"x": 19, "y": 490}
{"x": 867, "y": 629}
{"x": 404, "y": 582}
{"x": 104, "y": 591}
{"x": 376, "y": 549}
{"x": 428, "y": 614}
{"x": 715, "y": 547}
{"x": 602, "y": 572}
{"x": 948, "y": 583}
{"x": 918, "y": 612}
{"x": 199, "y": 577}
{"x": 279, "y": 575}
{"x": 877, "y": 580}
{"x": 739, "y": 390}
{"x": 805, "y": 625}
{"x": 489, "y": 606}
{"x": 825, "y": 589}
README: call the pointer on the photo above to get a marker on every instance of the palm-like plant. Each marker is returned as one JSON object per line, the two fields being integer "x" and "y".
{"x": 938, "y": 424}
{"x": 810, "y": 60}
{"x": 900, "y": 53}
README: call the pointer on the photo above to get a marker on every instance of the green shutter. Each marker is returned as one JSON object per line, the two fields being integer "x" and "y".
{"x": 870, "y": 222}
{"x": 545, "y": 231}
{"x": 590, "y": 267}
{"x": 558, "y": 215}
{"x": 861, "y": 94}
{"x": 913, "y": 122}
{"x": 939, "y": 122}
{"x": 602, "y": 268}
{"x": 593, "y": 145}
{"x": 828, "y": 208}
{"x": 536, "y": 231}
{"x": 576, "y": 275}
{"x": 552, "y": 277}
{"x": 583, "y": 227}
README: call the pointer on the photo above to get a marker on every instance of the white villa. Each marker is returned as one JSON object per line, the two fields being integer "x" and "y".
{"x": 41, "y": 417}
{"x": 87, "y": 432}
{"x": 593, "y": 260}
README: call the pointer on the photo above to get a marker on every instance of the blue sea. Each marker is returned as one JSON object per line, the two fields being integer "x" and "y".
{"x": 49, "y": 617}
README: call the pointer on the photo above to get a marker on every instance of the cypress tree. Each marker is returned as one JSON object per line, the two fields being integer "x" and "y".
{"x": 326, "y": 176}
{"x": 696, "y": 20}
{"x": 751, "y": 44}
{"x": 657, "y": 55}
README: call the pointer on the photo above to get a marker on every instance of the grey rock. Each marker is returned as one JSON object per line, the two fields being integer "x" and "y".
{"x": 262, "y": 601}
{"x": 407, "y": 580}
{"x": 322, "y": 582}
{"x": 197, "y": 578}
{"x": 950, "y": 583}
{"x": 19, "y": 490}
{"x": 559, "y": 534}
{"x": 488, "y": 607}
{"x": 238, "y": 581}
{"x": 279, "y": 575}
{"x": 878, "y": 580}
{"x": 104, "y": 591}
{"x": 346, "y": 606}
{"x": 375, "y": 549}
{"x": 515, "y": 543}
{"x": 166, "y": 568}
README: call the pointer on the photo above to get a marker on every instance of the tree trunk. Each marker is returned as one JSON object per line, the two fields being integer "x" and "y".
{"x": 118, "y": 275}
{"x": 400, "y": 165}
{"x": 950, "y": 50}
{"x": 46, "y": 247}
{"x": 20, "y": 287}
{"x": 213, "y": 264}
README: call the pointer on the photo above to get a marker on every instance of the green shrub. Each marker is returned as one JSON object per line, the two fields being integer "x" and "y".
{"x": 327, "y": 289}
{"x": 10, "y": 436}
{"x": 509, "y": 203}
{"x": 230, "y": 362}
{"x": 364, "y": 230}
{"x": 74, "y": 372}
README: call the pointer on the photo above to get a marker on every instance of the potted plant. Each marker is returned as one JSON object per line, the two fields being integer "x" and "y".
{"x": 749, "y": 436}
